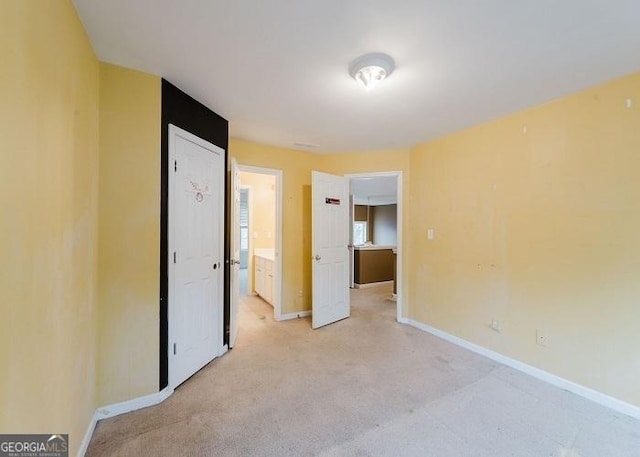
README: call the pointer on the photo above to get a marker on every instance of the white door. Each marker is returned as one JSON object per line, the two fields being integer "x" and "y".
{"x": 196, "y": 253}
{"x": 330, "y": 237}
{"x": 234, "y": 262}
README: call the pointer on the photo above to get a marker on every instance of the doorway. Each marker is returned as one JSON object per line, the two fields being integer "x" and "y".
{"x": 329, "y": 196}
{"x": 376, "y": 251}
{"x": 261, "y": 234}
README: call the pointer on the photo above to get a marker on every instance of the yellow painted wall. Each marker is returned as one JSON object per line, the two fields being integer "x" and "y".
{"x": 372, "y": 162}
{"x": 296, "y": 214}
{"x": 129, "y": 236}
{"x": 536, "y": 219}
{"x": 49, "y": 220}
{"x": 365, "y": 162}
{"x": 263, "y": 208}
{"x": 296, "y": 167}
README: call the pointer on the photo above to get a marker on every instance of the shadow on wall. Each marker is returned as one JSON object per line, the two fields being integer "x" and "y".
{"x": 306, "y": 246}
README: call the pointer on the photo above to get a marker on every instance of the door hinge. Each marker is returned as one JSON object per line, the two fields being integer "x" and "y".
{"x": 174, "y": 256}
{"x": 174, "y": 348}
{"x": 175, "y": 165}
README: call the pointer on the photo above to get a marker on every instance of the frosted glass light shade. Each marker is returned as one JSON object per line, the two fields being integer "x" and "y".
{"x": 370, "y": 69}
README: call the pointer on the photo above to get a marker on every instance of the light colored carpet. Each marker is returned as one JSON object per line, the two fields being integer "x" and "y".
{"x": 365, "y": 386}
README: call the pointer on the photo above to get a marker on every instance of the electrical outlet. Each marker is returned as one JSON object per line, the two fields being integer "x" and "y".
{"x": 495, "y": 325}
{"x": 541, "y": 338}
{"x": 430, "y": 234}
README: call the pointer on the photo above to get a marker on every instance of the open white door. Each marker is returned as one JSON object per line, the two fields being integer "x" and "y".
{"x": 234, "y": 261}
{"x": 196, "y": 253}
{"x": 330, "y": 237}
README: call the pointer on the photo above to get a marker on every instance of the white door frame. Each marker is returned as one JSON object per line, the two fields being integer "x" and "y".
{"x": 399, "y": 244}
{"x": 277, "y": 298}
{"x": 352, "y": 252}
{"x": 234, "y": 252}
{"x": 221, "y": 347}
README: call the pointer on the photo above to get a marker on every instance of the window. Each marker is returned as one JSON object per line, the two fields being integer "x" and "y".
{"x": 244, "y": 220}
{"x": 244, "y": 238}
{"x": 359, "y": 232}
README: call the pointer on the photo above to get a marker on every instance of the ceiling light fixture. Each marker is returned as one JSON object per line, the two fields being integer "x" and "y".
{"x": 370, "y": 69}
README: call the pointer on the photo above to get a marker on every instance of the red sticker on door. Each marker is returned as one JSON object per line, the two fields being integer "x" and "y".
{"x": 332, "y": 201}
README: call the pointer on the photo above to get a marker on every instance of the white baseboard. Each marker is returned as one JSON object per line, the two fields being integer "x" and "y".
{"x": 84, "y": 445}
{"x": 105, "y": 412}
{"x": 116, "y": 409}
{"x": 297, "y": 315}
{"x": 586, "y": 392}
{"x": 134, "y": 404}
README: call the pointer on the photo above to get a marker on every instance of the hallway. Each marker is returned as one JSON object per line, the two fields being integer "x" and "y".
{"x": 365, "y": 386}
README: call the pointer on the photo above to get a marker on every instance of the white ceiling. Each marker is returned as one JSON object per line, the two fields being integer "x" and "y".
{"x": 277, "y": 69}
{"x": 374, "y": 191}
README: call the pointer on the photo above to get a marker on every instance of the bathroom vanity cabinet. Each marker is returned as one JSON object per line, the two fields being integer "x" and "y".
{"x": 263, "y": 276}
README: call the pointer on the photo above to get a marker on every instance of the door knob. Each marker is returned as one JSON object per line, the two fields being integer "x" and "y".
{"x": 317, "y": 257}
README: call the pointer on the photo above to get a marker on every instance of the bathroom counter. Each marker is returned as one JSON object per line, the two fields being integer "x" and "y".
{"x": 373, "y": 247}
